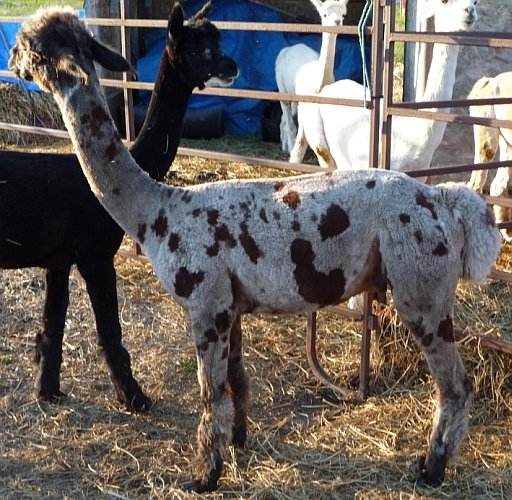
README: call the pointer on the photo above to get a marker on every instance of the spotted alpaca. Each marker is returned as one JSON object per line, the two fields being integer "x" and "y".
{"x": 278, "y": 246}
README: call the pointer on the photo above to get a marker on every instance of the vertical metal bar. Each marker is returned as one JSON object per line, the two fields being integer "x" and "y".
{"x": 368, "y": 325}
{"x": 389, "y": 59}
{"x": 127, "y": 93}
{"x": 376, "y": 77}
{"x": 377, "y": 40}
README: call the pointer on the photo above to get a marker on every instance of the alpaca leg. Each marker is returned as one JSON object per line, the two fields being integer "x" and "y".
{"x": 211, "y": 336}
{"x": 499, "y": 187}
{"x": 100, "y": 279}
{"x": 48, "y": 353}
{"x": 433, "y": 331}
{"x": 486, "y": 147}
{"x": 300, "y": 145}
{"x": 288, "y": 129}
{"x": 238, "y": 384}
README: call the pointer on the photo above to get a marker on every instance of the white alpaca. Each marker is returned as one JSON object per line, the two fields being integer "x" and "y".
{"x": 300, "y": 63}
{"x": 489, "y": 139}
{"x": 339, "y": 135}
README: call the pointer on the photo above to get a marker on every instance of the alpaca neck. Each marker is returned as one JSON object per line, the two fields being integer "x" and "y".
{"x": 156, "y": 145}
{"x": 422, "y": 137}
{"x": 326, "y": 59}
{"x": 125, "y": 191}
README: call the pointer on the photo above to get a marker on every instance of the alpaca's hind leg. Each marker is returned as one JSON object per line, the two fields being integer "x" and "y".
{"x": 434, "y": 334}
{"x": 100, "y": 279}
{"x": 287, "y": 127}
{"x": 499, "y": 186}
{"x": 211, "y": 335}
{"x": 48, "y": 353}
{"x": 238, "y": 384}
{"x": 486, "y": 147}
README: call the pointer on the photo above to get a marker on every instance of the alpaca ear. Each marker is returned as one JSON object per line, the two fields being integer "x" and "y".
{"x": 108, "y": 58}
{"x": 317, "y": 4}
{"x": 176, "y": 20}
{"x": 426, "y": 9}
{"x": 203, "y": 12}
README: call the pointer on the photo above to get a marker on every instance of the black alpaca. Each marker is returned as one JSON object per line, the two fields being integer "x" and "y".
{"x": 49, "y": 217}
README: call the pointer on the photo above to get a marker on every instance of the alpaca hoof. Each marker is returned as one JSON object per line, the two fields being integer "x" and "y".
{"x": 50, "y": 396}
{"x": 423, "y": 477}
{"x": 139, "y": 403}
{"x": 199, "y": 487}
{"x": 239, "y": 438}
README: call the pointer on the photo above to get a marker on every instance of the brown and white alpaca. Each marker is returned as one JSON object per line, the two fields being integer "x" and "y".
{"x": 273, "y": 245}
{"x": 340, "y": 135}
{"x": 489, "y": 139}
{"x": 301, "y": 70}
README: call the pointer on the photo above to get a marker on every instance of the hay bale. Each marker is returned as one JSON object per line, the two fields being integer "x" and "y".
{"x": 23, "y": 107}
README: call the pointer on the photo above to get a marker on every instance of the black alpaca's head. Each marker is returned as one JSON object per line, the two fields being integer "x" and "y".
{"x": 194, "y": 50}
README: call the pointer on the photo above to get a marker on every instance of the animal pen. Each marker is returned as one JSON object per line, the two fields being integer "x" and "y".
{"x": 99, "y": 451}
{"x": 383, "y": 37}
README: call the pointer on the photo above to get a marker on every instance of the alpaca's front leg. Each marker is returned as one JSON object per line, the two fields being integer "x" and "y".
{"x": 215, "y": 429}
{"x": 48, "y": 353}
{"x": 100, "y": 280}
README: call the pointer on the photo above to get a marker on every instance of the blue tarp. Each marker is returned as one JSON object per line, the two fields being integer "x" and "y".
{"x": 7, "y": 38}
{"x": 255, "y": 53}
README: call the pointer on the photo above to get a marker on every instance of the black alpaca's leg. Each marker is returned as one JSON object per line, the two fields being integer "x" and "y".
{"x": 100, "y": 279}
{"x": 238, "y": 384}
{"x": 48, "y": 351}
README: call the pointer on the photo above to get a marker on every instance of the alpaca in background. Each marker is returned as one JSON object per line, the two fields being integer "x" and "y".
{"x": 489, "y": 139}
{"x": 340, "y": 135}
{"x": 301, "y": 70}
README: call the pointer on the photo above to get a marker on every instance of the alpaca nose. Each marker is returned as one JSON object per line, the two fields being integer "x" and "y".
{"x": 337, "y": 22}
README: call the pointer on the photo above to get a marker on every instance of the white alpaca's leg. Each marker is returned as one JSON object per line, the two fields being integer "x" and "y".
{"x": 499, "y": 187}
{"x": 315, "y": 137}
{"x": 288, "y": 129}
{"x": 300, "y": 145}
{"x": 486, "y": 146}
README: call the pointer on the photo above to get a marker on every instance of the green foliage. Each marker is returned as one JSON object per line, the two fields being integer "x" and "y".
{"x": 399, "y": 26}
{"x": 27, "y": 7}
{"x": 188, "y": 365}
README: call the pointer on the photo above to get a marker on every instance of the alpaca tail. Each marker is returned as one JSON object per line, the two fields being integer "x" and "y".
{"x": 476, "y": 91}
{"x": 482, "y": 238}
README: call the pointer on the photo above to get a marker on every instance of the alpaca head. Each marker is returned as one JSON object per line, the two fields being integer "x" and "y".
{"x": 194, "y": 50}
{"x": 55, "y": 50}
{"x": 450, "y": 15}
{"x": 332, "y": 12}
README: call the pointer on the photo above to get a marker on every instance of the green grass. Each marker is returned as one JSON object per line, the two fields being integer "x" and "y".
{"x": 26, "y": 7}
{"x": 399, "y": 46}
